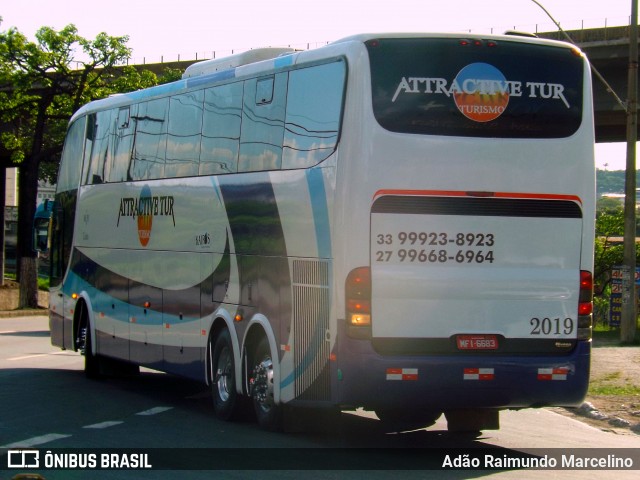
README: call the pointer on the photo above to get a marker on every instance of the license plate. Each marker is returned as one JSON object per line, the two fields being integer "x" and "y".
{"x": 477, "y": 342}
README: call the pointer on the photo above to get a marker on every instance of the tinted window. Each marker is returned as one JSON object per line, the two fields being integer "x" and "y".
{"x": 314, "y": 105}
{"x": 183, "y": 141}
{"x": 504, "y": 89}
{"x": 122, "y": 145}
{"x": 90, "y": 132}
{"x": 65, "y": 201}
{"x": 151, "y": 140}
{"x": 221, "y": 129}
{"x": 71, "y": 163}
{"x": 100, "y": 140}
{"x": 263, "y": 124}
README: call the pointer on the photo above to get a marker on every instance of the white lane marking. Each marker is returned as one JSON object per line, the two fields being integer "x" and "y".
{"x": 31, "y": 442}
{"x": 7, "y": 332}
{"x": 104, "y": 424}
{"x": 36, "y": 355}
{"x": 154, "y": 411}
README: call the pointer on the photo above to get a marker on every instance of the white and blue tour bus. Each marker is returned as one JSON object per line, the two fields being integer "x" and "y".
{"x": 400, "y": 223}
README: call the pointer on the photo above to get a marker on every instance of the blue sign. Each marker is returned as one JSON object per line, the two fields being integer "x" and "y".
{"x": 615, "y": 302}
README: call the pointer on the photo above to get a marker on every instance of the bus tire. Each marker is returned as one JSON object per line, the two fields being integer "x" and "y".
{"x": 268, "y": 414}
{"x": 222, "y": 376}
{"x": 400, "y": 420}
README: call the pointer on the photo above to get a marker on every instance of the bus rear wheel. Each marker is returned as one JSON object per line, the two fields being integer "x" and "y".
{"x": 222, "y": 376}
{"x": 269, "y": 414}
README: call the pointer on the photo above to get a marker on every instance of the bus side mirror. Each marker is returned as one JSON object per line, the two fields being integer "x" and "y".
{"x": 41, "y": 227}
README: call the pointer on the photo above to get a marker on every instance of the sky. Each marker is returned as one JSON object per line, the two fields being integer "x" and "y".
{"x": 162, "y": 30}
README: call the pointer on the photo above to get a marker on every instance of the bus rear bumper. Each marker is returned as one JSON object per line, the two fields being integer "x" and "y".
{"x": 446, "y": 382}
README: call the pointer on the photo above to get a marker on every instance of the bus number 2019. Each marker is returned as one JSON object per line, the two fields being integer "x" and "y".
{"x": 551, "y": 326}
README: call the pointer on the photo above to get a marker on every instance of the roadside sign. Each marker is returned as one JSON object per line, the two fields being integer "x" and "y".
{"x": 617, "y": 291}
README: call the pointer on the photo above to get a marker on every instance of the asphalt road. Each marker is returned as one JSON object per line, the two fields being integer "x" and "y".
{"x": 46, "y": 404}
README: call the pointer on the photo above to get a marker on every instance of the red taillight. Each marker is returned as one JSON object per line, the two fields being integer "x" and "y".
{"x": 585, "y": 308}
{"x": 585, "y": 305}
{"x": 586, "y": 281}
{"x": 358, "y": 284}
{"x": 361, "y": 306}
{"x": 478, "y": 43}
{"x": 358, "y": 297}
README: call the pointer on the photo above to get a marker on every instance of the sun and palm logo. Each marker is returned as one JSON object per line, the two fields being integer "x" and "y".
{"x": 483, "y": 94}
{"x": 145, "y": 215}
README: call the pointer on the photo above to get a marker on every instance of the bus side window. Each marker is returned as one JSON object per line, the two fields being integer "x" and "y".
{"x": 263, "y": 124}
{"x": 221, "y": 129}
{"x": 71, "y": 162}
{"x": 66, "y": 196}
{"x": 314, "y": 107}
{"x": 90, "y": 132}
{"x": 122, "y": 144}
{"x": 183, "y": 140}
{"x": 150, "y": 140}
{"x": 98, "y": 147}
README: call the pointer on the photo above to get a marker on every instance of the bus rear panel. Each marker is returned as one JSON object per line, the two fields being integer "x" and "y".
{"x": 476, "y": 290}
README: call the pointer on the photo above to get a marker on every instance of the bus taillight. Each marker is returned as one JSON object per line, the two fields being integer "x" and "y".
{"x": 478, "y": 43}
{"x": 585, "y": 305}
{"x": 358, "y": 297}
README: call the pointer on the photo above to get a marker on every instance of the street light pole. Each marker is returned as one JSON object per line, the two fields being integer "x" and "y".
{"x": 629, "y": 307}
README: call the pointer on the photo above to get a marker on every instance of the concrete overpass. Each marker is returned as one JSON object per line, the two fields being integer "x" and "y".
{"x": 607, "y": 49}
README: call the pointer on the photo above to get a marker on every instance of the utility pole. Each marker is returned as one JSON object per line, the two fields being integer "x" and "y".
{"x": 629, "y": 307}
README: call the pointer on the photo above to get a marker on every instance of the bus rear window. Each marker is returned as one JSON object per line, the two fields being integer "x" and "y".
{"x": 476, "y": 88}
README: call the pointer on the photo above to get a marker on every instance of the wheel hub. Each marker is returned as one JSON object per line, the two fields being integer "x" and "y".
{"x": 223, "y": 376}
{"x": 262, "y": 388}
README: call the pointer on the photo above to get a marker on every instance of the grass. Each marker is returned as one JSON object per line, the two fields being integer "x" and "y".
{"x": 611, "y": 385}
{"x": 611, "y": 376}
{"x": 596, "y": 388}
{"x": 43, "y": 282}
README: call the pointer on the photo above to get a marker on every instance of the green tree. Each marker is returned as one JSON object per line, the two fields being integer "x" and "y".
{"x": 609, "y": 205}
{"x": 608, "y": 253}
{"x": 608, "y": 250}
{"x": 42, "y": 83}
